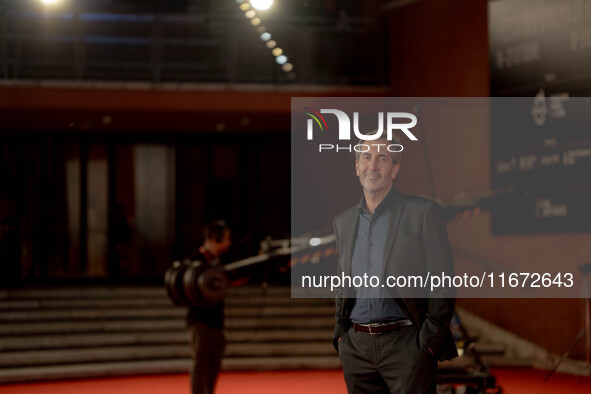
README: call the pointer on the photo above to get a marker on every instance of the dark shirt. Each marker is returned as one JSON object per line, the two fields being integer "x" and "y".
{"x": 212, "y": 315}
{"x": 368, "y": 258}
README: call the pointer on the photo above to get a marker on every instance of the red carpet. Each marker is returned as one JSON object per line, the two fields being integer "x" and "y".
{"x": 513, "y": 381}
{"x": 531, "y": 381}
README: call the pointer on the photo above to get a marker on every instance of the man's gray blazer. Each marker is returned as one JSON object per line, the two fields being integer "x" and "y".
{"x": 416, "y": 244}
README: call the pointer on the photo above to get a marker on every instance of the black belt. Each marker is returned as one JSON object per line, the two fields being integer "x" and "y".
{"x": 378, "y": 328}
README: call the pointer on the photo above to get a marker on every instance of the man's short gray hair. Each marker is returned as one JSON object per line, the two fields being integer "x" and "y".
{"x": 396, "y": 156}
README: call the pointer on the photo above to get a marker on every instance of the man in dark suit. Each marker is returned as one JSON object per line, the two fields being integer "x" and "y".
{"x": 389, "y": 339}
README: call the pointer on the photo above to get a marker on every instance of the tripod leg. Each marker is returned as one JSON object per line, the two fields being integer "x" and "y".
{"x": 565, "y": 355}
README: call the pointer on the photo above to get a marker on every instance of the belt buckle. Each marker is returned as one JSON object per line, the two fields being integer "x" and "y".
{"x": 369, "y": 326}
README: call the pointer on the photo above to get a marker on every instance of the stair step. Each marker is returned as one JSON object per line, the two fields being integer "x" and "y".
{"x": 83, "y": 292}
{"x": 87, "y": 355}
{"x": 269, "y": 335}
{"x": 92, "y": 314}
{"x": 91, "y": 340}
{"x": 154, "y": 312}
{"x": 280, "y": 323}
{"x": 146, "y": 352}
{"x": 93, "y": 370}
{"x": 292, "y": 310}
{"x": 280, "y": 349}
{"x": 108, "y": 292}
{"x": 25, "y": 305}
{"x": 279, "y": 363}
{"x": 104, "y": 303}
{"x": 139, "y": 338}
{"x": 279, "y": 300}
{"x": 43, "y": 328}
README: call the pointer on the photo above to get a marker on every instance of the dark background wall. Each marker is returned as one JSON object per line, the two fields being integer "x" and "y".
{"x": 112, "y": 184}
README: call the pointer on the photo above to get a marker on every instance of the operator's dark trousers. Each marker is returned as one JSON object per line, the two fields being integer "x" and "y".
{"x": 207, "y": 350}
{"x": 390, "y": 362}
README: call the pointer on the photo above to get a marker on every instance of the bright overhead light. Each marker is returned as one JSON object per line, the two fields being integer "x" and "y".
{"x": 261, "y": 4}
{"x": 315, "y": 241}
{"x": 50, "y": 1}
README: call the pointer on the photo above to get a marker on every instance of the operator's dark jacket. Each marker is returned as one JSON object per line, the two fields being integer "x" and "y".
{"x": 416, "y": 244}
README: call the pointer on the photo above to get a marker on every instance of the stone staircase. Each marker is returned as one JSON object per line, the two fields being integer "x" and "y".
{"x": 59, "y": 333}
{"x": 92, "y": 331}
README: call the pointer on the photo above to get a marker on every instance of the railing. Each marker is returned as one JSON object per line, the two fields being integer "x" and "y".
{"x": 209, "y": 47}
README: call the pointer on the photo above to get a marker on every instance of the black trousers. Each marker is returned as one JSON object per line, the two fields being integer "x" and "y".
{"x": 207, "y": 350}
{"x": 390, "y": 362}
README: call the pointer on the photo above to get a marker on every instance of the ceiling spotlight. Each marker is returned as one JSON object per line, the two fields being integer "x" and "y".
{"x": 265, "y": 36}
{"x": 50, "y": 1}
{"x": 261, "y": 4}
{"x": 281, "y": 59}
{"x": 277, "y": 51}
{"x": 271, "y": 44}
